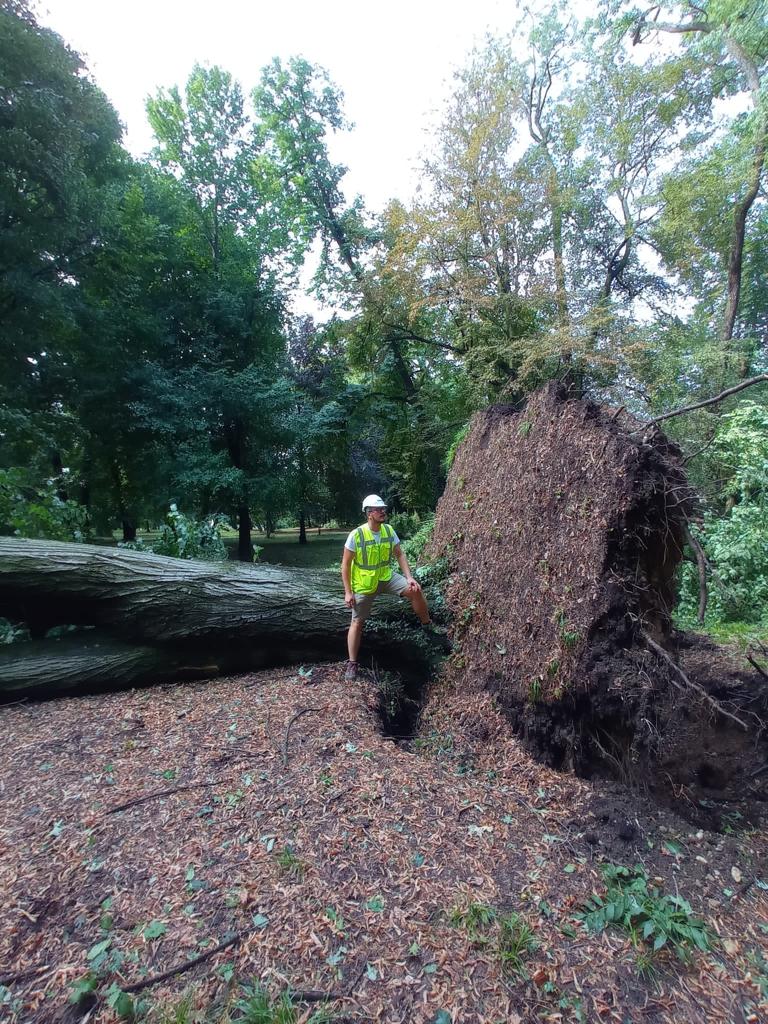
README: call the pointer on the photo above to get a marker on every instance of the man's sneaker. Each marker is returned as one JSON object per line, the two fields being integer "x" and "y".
{"x": 350, "y": 675}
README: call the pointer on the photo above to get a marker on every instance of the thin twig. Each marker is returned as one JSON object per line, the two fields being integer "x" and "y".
{"x": 691, "y": 685}
{"x": 155, "y": 979}
{"x": 162, "y": 792}
{"x": 304, "y": 711}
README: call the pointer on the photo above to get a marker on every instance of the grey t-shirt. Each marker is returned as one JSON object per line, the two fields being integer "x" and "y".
{"x": 351, "y": 542}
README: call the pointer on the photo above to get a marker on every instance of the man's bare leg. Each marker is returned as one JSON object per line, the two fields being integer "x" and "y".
{"x": 354, "y": 636}
{"x": 419, "y": 605}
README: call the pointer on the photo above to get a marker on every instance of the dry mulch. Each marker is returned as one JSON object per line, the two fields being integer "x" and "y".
{"x": 268, "y": 809}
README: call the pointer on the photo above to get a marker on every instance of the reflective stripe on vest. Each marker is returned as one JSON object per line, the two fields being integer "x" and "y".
{"x": 370, "y": 565}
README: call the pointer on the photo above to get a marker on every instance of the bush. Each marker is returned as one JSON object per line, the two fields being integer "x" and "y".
{"x": 183, "y": 537}
{"x": 37, "y": 510}
{"x": 418, "y": 538}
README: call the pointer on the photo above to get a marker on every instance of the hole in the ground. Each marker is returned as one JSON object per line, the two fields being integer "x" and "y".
{"x": 400, "y": 700}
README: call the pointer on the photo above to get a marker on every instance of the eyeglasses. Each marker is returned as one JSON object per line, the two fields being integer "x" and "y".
{"x": 382, "y": 510}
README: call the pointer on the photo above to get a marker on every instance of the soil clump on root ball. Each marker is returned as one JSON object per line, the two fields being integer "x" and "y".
{"x": 563, "y": 525}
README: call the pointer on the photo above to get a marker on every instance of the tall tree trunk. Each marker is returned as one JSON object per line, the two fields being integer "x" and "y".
{"x": 129, "y": 530}
{"x": 302, "y": 527}
{"x": 738, "y": 233}
{"x": 244, "y": 544}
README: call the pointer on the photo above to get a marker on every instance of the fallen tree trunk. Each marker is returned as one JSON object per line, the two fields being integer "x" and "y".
{"x": 161, "y": 619}
{"x": 151, "y": 597}
{"x": 83, "y": 661}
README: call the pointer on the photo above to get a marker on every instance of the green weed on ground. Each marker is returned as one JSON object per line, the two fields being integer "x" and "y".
{"x": 509, "y": 936}
{"x": 652, "y": 919}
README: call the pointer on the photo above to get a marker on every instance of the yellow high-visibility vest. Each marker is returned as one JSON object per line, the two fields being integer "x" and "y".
{"x": 371, "y": 562}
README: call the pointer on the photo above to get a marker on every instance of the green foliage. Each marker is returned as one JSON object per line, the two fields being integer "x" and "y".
{"x": 58, "y": 158}
{"x": 652, "y": 919}
{"x": 735, "y": 540}
{"x": 417, "y": 530}
{"x": 29, "y": 510}
{"x": 509, "y": 935}
{"x": 183, "y": 537}
{"x": 256, "y": 1006}
{"x": 453, "y": 448}
{"x": 12, "y": 632}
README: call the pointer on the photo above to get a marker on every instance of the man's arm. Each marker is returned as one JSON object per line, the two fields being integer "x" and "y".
{"x": 402, "y": 561}
{"x": 346, "y": 568}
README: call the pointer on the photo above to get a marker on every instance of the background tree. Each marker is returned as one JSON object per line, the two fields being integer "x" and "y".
{"x": 59, "y": 153}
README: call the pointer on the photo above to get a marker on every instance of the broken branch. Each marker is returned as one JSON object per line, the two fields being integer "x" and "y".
{"x": 155, "y": 979}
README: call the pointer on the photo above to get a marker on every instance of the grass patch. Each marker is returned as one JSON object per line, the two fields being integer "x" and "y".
{"x": 323, "y": 552}
{"x": 516, "y": 940}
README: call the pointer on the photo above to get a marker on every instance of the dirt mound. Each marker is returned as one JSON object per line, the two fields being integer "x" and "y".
{"x": 563, "y": 525}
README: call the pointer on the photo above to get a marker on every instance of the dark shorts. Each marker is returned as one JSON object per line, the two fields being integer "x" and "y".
{"x": 396, "y": 586}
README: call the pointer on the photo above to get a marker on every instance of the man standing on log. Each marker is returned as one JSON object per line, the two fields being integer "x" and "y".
{"x": 366, "y": 572}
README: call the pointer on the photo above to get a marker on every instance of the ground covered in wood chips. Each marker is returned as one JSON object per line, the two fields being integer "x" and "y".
{"x": 264, "y": 825}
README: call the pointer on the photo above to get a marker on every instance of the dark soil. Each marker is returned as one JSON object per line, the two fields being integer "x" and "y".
{"x": 563, "y": 526}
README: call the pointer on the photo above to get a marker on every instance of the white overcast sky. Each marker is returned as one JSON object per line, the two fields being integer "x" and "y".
{"x": 393, "y": 61}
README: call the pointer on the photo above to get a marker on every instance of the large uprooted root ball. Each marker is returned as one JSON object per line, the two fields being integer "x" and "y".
{"x": 563, "y": 525}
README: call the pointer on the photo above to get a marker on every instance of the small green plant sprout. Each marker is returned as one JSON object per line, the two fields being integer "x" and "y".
{"x": 516, "y": 940}
{"x": 570, "y": 638}
{"x": 291, "y": 864}
{"x": 524, "y": 429}
{"x": 534, "y": 690}
{"x": 475, "y": 918}
{"x": 652, "y": 919}
{"x": 336, "y": 920}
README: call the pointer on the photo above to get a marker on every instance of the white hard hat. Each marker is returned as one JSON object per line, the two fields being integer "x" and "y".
{"x": 373, "y": 501}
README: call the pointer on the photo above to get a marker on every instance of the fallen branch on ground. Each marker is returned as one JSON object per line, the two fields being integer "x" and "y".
{"x": 304, "y": 711}
{"x": 155, "y": 979}
{"x": 163, "y": 792}
{"x": 691, "y": 685}
{"x": 32, "y": 972}
{"x": 318, "y": 996}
